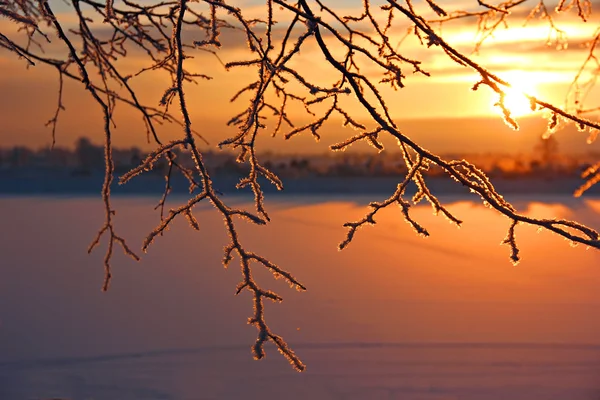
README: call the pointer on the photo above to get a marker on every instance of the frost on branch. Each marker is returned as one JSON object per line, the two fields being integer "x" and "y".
{"x": 362, "y": 55}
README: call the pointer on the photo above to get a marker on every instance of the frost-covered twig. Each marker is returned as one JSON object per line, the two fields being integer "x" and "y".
{"x": 357, "y": 49}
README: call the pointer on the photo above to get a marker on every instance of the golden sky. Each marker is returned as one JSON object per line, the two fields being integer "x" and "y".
{"x": 521, "y": 54}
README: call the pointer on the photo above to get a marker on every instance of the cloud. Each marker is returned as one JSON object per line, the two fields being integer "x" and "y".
{"x": 524, "y": 50}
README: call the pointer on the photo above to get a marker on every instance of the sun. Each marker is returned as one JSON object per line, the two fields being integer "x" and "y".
{"x": 517, "y": 103}
{"x": 515, "y": 100}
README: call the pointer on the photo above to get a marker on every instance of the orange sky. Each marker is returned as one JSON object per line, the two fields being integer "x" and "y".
{"x": 519, "y": 54}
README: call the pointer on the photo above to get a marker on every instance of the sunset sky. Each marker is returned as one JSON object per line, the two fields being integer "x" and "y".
{"x": 428, "y": 108}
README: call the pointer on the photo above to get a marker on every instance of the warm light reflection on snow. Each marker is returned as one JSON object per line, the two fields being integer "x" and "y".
{"x": 394, "y": 315}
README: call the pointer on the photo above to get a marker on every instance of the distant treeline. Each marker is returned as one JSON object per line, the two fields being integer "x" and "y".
{"x": 87, "y": 158}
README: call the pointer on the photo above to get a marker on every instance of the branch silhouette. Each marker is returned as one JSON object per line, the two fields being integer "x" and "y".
{"x": 358, "y": 49}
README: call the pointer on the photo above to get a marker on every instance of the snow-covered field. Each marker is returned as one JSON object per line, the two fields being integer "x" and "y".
{"x": 394, "y": 316}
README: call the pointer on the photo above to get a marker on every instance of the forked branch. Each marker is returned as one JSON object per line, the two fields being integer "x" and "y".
{"x": 357, "y": 49}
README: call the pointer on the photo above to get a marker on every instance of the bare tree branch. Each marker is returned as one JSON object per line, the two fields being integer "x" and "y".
{"x": 358, "y": 51}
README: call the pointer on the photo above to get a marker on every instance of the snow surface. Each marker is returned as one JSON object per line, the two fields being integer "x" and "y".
{"x": 394, "y": 316}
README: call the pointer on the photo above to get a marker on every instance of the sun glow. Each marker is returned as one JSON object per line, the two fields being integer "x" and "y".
{"x": 515, "y": 99}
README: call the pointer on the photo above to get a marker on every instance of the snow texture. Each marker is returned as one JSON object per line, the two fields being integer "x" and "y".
{"x": 393, "y": 316}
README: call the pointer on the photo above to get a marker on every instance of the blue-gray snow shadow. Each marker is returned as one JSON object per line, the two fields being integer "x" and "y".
{"x": 430, "y": 371}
